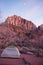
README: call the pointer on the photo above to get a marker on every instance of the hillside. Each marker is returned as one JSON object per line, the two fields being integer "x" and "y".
{"x": 21, "y": 33}
{"x": 11, "y": 33}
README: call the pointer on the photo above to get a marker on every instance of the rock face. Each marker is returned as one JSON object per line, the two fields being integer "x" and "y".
{"x": 20, "y": 32}
{"x": 40, "y": 27}
{"x": 20, "y": 22}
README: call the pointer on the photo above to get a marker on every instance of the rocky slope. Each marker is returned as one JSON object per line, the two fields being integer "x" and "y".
{"x": 20, "y": 32}
{"x": 36, "y": 37}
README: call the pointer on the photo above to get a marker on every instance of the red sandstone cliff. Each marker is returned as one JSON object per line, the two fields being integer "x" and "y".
{"x": 18, "y": 31}
{"x": 20, "y": 22}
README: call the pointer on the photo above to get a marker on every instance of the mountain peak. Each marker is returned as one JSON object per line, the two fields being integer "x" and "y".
{"x": 41, "y": 27}
{"x": 20, "y": 22}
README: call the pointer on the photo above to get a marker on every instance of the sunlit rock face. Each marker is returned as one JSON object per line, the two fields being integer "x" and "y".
{"x": 19, "y": 32}
{"x": 20, "y": 22}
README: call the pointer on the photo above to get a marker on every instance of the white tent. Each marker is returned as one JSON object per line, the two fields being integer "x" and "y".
{"x": 11, "y": 52}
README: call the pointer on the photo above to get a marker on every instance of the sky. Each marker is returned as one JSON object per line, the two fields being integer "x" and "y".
{"x": 31, "y": 10}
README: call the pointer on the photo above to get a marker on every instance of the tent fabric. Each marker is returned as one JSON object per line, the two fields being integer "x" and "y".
{"x": 11, "y": 52}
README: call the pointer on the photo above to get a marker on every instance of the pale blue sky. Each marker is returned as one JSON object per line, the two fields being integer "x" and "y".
{"x": 28, "y": 9}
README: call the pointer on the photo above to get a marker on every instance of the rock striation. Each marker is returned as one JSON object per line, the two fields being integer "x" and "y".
{"x": 20, "y": 22}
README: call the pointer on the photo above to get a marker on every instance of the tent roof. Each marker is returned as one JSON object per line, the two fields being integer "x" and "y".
{"x": 11, "y": 47}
